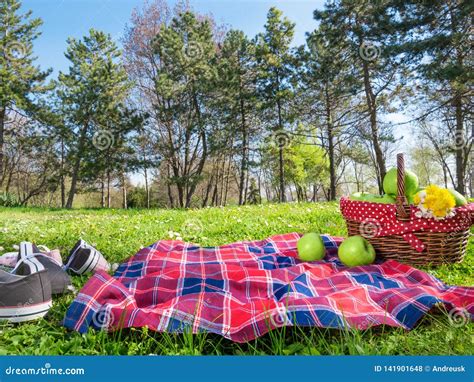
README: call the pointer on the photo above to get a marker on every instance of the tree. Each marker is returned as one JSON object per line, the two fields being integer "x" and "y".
{"x": 367, "y": 27}
{"x": 238, "y": 97}
{"x": 183, "y": 70}
{"x": 32, "y": 165}
{"x": 276, "y": 65}
{"x": 306, "y": 166}
{"x": 22, "y": 82}
{"x": 326, "y": 90}
{"x": 438, "y": 35}
{"x": 90, "y": 93}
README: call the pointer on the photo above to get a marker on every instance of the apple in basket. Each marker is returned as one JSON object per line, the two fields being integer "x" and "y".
{"x": 390, "y": 182}
{"x": 355, "y": 250}
{"x": 384, "y": 199}
{"x": 459, "y": 198}
{"x": 361, "y": 196}
{"x": 311, "y": 247}
{"x": 366, "y": 197}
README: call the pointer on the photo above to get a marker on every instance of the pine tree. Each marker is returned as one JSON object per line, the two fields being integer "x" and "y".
{"x": 21, "y": 81}
{"x": 439, "y": 40}
{"x": 276, "y": 64}
{"x": 90, "y": 93}
{"x": 238, "y": 97}
{"x": 367, "y": 28}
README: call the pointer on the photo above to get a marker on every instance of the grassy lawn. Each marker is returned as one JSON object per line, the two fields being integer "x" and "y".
{"x": 119, "y": 234}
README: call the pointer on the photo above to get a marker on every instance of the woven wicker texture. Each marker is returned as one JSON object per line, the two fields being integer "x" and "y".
{"x": 440, "y": 247}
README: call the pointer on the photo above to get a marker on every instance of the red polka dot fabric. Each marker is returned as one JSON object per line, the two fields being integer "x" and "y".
{"x": 384, "y": 217}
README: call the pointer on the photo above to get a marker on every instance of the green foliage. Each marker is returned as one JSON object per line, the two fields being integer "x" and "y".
{"x": 20, "y": 77}
{"x": 22, "y": 83}
{"x": 306, "y": 164}
{"x": 137, "y": 198}
{"x": 276, "y": 64}
{"x": 186, "y": 54}
{"x": 8, "y": 200}
{"x": 91, "y": 99}
{"x": 132, "y": 229}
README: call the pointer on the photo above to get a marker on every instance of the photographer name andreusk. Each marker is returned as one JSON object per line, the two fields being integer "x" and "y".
{"x": 448, "y": 369}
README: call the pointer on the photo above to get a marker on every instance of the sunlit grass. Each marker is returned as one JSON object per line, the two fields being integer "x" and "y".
{"x": 119, "y": 234}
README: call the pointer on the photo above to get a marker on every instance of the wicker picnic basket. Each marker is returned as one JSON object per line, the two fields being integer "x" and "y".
{"x": 396, "y": 233}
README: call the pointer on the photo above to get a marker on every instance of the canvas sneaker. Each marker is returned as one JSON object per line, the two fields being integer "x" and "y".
{"x": 24, "y": 298}
{"x": 84, "y": 258}
{"x": 32, "y": 260}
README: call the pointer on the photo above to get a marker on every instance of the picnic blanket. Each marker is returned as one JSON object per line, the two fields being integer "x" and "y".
{"x": 243, "y": 290}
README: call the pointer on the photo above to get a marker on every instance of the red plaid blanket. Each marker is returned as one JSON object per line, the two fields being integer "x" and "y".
{"x": 243, "y": 290}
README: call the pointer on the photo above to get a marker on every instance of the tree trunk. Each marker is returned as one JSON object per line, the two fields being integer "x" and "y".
{"x": 313, "y": 196}
{"x": 208, "y": 190}
{"x": 2, "y": 142}
{"x": 168, "y": 185}
{"x": 108, "y": 189}
{"x": 147, "y": 188}
{"x": 227, "y": 181}
{"x": 280, "y": 157}
{"x": 77, "y": 165}
{"x": 124, "y": 191}
{"x": 244, "y": 162}
{"x": 62, "y": 180}
{"x": 445, "y": 176}
{"x": 214, "y": 198}
{"x": 203, "y": 159}
{"x": 102, "y": 192}
{"x": 332, "y": 167}
{"x": 372, "y": 108}
{"x": 459, "y": 140}
{"x": 222, "y": 182}
{"x": 461, "y": 158}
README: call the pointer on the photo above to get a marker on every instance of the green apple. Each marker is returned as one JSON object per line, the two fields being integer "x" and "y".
{"x": 356, "y": 250}
{"x": 360, "y": 196}
{"x": 390, "y": 182}
{"x": 459, "y": 198}
{"x": 384, "y": 199}
{"x": 311, "y": 247}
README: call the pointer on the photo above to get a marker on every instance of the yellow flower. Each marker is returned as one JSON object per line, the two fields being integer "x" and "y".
{"x": 417, "y": 199}
{"x": 439, "y": 201}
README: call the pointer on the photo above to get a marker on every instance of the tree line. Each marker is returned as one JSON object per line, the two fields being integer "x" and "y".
{"x": 205, "y": 115}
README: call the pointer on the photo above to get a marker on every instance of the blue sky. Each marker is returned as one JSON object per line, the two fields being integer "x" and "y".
{"x": 65, "y": 18}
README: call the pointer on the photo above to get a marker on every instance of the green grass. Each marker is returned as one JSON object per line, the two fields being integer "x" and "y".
{"x": 119, "y": 234}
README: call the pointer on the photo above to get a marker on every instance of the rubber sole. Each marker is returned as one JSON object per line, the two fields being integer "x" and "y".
{"x": 25, "y": 313}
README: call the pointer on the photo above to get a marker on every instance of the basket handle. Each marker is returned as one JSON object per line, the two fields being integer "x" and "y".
{"x": 402, "y": 202}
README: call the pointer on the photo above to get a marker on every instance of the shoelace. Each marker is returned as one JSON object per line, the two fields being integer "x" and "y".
{"x": 32, "y": 256}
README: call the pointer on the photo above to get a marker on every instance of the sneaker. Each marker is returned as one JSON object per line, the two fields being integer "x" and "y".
{"x": 32, "y": 260}
{"x": 85, "y": 258}
{"x": 24, "y": 298}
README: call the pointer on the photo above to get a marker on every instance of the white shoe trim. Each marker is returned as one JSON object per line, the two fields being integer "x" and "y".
{"x": 26, "y": 312}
